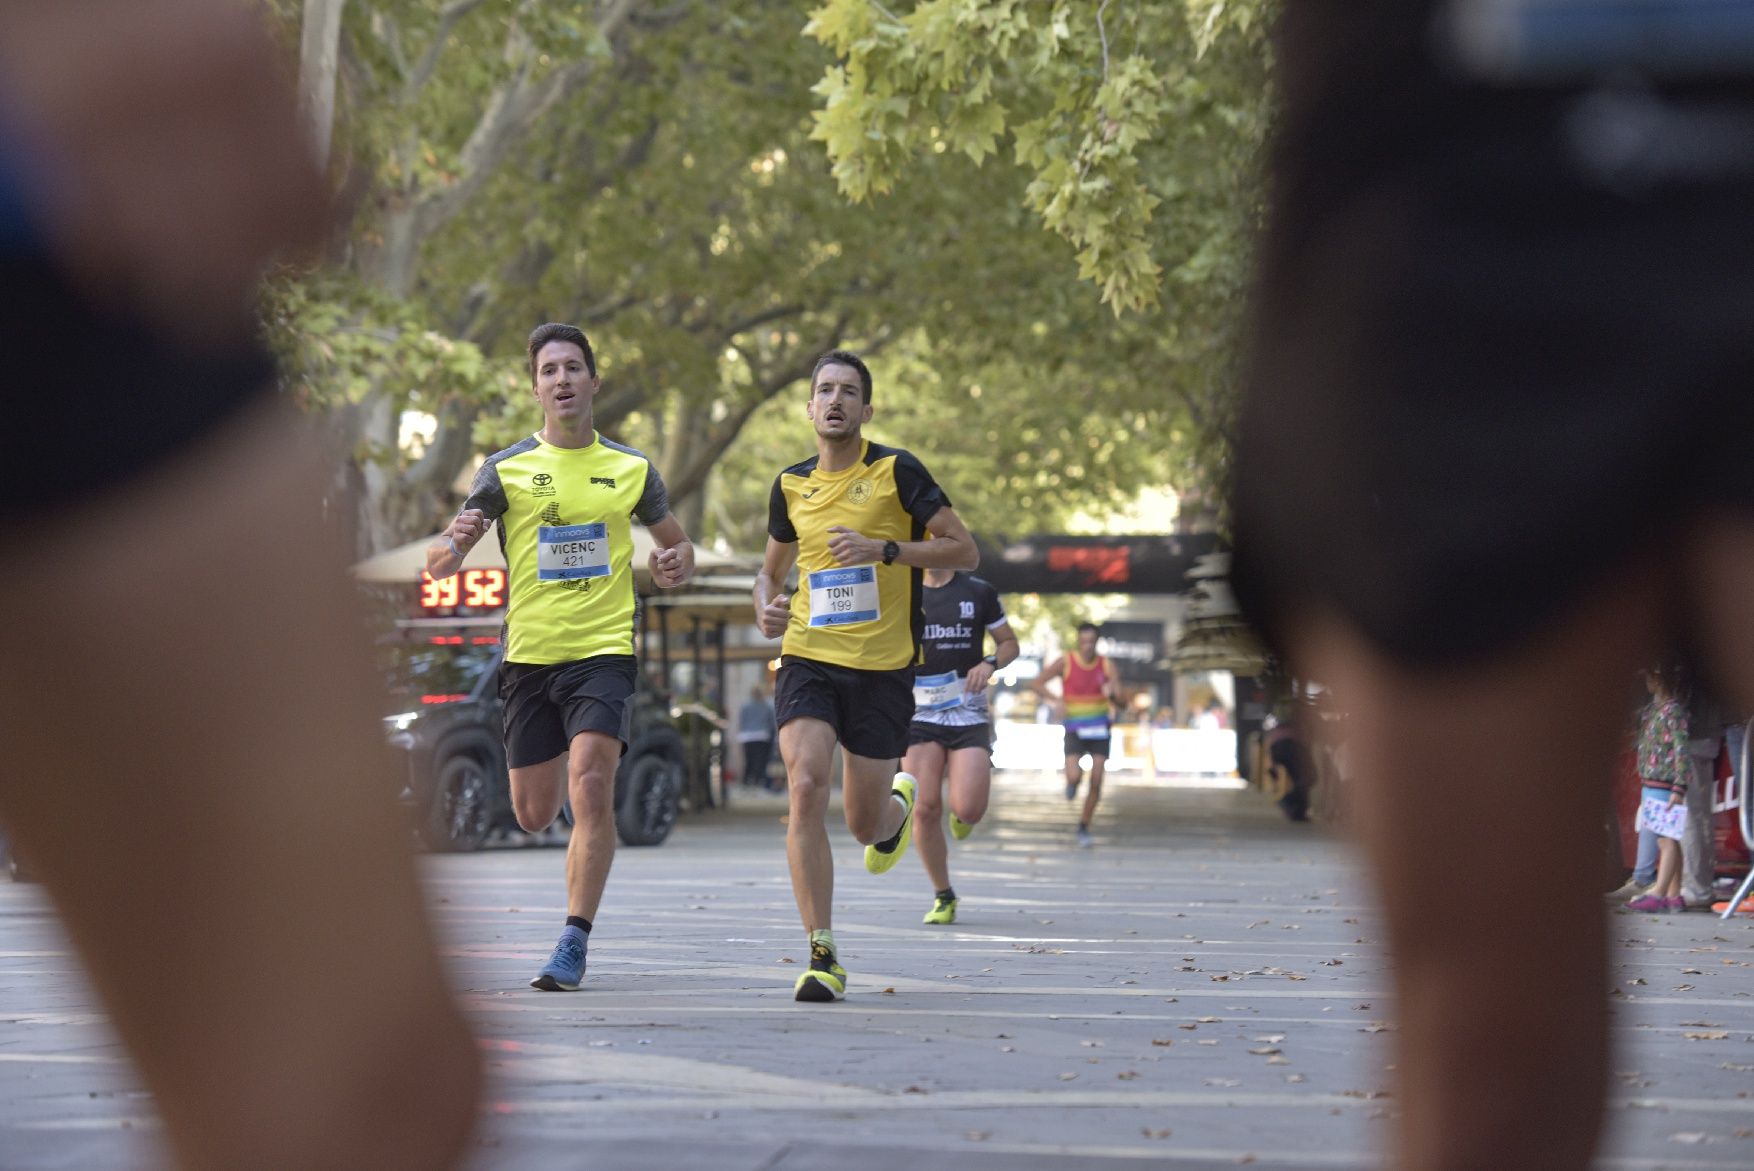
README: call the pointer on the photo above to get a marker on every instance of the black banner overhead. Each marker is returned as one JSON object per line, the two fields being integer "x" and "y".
{"x": 1054, "y": 564}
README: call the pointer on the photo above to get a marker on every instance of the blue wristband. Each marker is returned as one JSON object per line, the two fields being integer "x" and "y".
{"x": 455, "y": 552}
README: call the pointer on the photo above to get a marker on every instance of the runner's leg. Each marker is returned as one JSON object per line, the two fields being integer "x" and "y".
{"x": 591, "y": 766}
{"x": 873, "y": 815}
{"x": 971, "y": 783}
{"x": 1094, "y": 794}
{"x": 1472, "y": 790}
{"x": 538, "y": 791}
{"x": 237, "y": 818}
{"x": 807, "y": 749}
{"x": 925, "y": 761}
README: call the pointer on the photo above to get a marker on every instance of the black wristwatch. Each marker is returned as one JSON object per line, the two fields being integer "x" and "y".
{"x": 992, "y": 661}
{"x": 890, "y": 552}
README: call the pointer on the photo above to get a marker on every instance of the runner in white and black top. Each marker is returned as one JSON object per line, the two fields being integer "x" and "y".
{"x": 951, "y": 724}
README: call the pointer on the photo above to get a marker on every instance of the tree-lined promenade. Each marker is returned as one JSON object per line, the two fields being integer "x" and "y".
{"x": 1033, "y": 216}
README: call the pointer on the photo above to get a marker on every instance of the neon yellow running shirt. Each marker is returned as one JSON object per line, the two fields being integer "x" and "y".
{"x": 565, "y": 527}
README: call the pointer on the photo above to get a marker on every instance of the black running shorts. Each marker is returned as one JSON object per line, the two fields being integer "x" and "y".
{"x": 954, "y": 737}
{"x": 1077, "y": 745}
{"x": 868, "y": 710}
{"x": 1503, "y": 341}
{"x": 158, "y": 398}
{"x": 547, "y": 705}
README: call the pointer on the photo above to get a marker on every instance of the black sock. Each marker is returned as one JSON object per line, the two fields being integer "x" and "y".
{"x": 1083, "y": 825}
{"x": 948, "y": 894}
{"x": 887, "y": 845}
{"x": 579, "y": 921}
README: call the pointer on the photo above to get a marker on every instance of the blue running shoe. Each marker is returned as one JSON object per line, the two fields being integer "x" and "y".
{"x": 566, "y": 967}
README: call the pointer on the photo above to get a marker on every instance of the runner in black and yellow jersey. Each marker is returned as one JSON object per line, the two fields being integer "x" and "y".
{"x": 951, "y": 737}
{"x": 859, "y": 521}
{"x": 565, "y": 498}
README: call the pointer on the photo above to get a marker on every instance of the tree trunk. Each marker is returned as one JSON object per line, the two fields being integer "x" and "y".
{"x": 319, "y": 52}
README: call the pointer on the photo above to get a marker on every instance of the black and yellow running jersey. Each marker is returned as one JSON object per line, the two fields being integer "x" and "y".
{"x": 861, "y": 616}
{"x": 564, "y": 526}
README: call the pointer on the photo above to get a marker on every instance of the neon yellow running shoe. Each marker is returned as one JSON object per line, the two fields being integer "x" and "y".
{"x": 943, "y": 911}
{"x": 878, "y": 861}
{"x": 959, "y": 829}
{"x": 825, "y": 980}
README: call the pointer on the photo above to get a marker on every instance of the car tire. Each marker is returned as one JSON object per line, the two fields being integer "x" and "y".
{"x": 460, "y": 812}
{"x": 648, "y": 791}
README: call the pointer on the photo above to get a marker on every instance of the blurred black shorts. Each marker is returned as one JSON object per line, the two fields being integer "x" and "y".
{"x": 1503, "y": 340}
{"x": 95, "y": 396}
{"x": 953, "y": 737}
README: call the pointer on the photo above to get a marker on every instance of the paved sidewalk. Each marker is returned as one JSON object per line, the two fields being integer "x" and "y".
{"x": 1201, "y": 989}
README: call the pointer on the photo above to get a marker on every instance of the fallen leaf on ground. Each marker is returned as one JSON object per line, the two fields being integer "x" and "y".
{"x": 1166, "y": 1042}
{"x": 787, "y": 960}
{"x": 1153, "y": 1132}
{"x": 1714, "y": 1035}
{"x": 1223, "y": 1081}
{"x": 1127, "y": 1075}
{"x": 1068, "y": 1077}
{"x": 1265, "y": 1051}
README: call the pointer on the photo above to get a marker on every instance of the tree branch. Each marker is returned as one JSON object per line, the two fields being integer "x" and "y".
{"x": 423, "y": 71}
{"x": 510, "y": 114}
{"x": 1102, "y": 32}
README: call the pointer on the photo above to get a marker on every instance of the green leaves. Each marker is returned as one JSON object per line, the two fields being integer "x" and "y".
{"x": 1083, "y": 90}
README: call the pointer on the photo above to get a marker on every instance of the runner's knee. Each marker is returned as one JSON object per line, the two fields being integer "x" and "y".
{"x": 929, "y": 802}
{"x": 534, "y": 811}
{"x": 592, "y": 790}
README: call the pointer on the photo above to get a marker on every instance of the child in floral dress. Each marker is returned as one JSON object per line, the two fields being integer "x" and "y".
{"x": 1663, "y": 768}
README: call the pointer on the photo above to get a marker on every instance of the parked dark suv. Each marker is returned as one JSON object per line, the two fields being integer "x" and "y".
{"x": 452, "y": 758}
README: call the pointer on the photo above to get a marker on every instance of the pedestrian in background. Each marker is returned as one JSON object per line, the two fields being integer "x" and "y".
{"x": 1664, "y": 769}
{"x": 756, "y": 730}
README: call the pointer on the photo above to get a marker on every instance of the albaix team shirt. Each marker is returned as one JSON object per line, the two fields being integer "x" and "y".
{"x": 565, "y": 525}
{"x": 861, "y": 616}
{"x": 956, "y": 617}
{"x": 1086, "y": 701}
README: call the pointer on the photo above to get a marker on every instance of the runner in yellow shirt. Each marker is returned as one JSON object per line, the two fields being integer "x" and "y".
{"x": 860, "y": 521}
{"x": 564, "y": 499}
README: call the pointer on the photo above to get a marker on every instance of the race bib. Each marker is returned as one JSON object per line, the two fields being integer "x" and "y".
{"x": 843, "y": 597}
{"x": 565, "y": 552}
{"x": 1093, "y": 731}
{"x": 937, "y": 693}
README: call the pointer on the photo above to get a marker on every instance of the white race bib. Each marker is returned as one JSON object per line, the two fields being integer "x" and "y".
{"x": 564, "y": 552}
{"x": 842, "y": 597}
{"x": 1093, "y": 731}
{"x": 937, "y": 693}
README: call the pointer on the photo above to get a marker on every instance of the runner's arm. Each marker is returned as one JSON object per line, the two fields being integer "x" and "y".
{"x": 672, "y": 560}
{"x": 773, "y": 608}
{"x": 949, "y": 547}
{"x": 1005, "y": 650}
{"x": 486, "y": 504}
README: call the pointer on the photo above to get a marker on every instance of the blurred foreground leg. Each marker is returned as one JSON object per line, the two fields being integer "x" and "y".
{"x": 193, "y": 767}
{"x": 1478, "y": 797}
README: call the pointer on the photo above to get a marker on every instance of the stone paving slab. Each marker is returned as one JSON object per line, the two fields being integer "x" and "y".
{"x": 1203, "y": 988}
